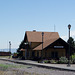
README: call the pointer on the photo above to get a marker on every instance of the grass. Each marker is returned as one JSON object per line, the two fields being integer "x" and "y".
{"x": 14, "y": 69}
{"x": 5, "y": 56}
{"x": 5, "y": 70}
{"x": 6, "y": 66}
{"x": 16, "y": 73}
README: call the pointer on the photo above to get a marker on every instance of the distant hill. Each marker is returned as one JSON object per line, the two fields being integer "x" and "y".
{"x": 6, "y": 50}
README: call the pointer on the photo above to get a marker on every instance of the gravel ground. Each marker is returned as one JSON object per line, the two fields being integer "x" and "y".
{"x": 20, "y": 69}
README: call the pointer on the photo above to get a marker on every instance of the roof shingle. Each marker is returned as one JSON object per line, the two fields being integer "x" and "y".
{"x": 45, "y": 44}
{"x": 48, "y": 38}
{"x": 37, "y": 36}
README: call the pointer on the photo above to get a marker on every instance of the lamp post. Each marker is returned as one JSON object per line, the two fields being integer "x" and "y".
{"x": 69, "y": 26}
{"x": 9, "y": 49}
{"x": 26, "y": 44}
{"x": 42, "y": 45}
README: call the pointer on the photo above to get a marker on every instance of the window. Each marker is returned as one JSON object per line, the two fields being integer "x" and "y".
{"x": 54, "y": 54}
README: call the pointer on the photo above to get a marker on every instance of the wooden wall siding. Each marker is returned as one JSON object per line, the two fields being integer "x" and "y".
{"x": 37, "y": 54}
{"x": 35, "y": 44}
{"x": 24, "y": 53}
{"x": 61, "y": 52}
{"x": 30, "y": 54}
{"x": 47, "y": 53}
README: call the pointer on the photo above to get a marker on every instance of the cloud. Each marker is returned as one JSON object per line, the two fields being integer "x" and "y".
{"x": 73, "y": 33}
{"x": 65, "y": 37}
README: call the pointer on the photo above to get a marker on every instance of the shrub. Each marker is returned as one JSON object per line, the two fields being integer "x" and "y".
{"x": 15, "y": 55}
{"x": 53, "y": 61}
{"x": 73, "y": 58}
{"x": 63, "y": 60}
{"x": 46, "y": 61}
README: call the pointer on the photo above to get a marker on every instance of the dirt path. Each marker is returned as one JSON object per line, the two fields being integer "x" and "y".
{"x": 9, "y": 68}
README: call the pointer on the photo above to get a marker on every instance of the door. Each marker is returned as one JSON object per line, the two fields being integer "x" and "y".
{"x": 54, "y": 55}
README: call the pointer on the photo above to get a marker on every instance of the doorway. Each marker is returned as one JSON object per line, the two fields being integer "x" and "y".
{"x": 54, "y": 55}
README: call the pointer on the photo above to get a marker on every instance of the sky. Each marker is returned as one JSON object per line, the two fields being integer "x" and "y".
{"x": 18, "y": 16}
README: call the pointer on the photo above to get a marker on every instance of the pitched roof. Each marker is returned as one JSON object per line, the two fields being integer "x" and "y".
{"x": 34, "y": 36}
{"x": 45, "y": 44}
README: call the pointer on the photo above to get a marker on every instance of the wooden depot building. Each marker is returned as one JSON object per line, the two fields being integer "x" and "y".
{"x": 45, "y": 45}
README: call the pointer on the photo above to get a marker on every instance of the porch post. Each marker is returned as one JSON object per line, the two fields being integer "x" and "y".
{"x": 42, "y": 46}
{"x": 25, "y": 53}
{"x": 45, "y": 53}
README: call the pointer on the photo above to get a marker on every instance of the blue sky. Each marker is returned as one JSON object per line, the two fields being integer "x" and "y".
{"x": 18, "y": 16}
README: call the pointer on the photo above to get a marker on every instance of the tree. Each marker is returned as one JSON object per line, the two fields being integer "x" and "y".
{"x": 22, "y": 45}
{"x": 71, "y": 41}
{"x": 72, "y": 44}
